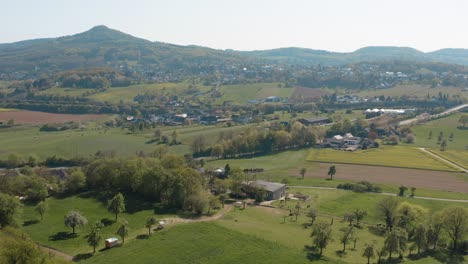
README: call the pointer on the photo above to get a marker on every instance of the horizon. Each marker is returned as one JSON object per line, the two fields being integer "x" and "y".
{"x": 337, "y": 26}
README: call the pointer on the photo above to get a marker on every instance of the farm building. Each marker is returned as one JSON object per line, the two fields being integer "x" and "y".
{"x": 273, "y": 99}
{"x": 274, "y": 190}
{"x": 314, "y": 121}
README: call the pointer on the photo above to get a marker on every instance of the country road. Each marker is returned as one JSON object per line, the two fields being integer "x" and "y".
{"x": 446, "y": 112}
{"x": 384, "y": 193}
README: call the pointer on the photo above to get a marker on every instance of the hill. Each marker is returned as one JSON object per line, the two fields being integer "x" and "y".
{"x": 105, "y": 47}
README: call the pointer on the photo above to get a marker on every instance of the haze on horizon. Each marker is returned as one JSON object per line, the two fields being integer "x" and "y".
{"x": 334, "y": 25}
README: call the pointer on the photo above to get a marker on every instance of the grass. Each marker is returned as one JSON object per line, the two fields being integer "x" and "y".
{"x": 242, "y": 93}
{"x": 53, "y": 233}
{"x": 459, "y": 157}
{"x": 446, "y": 125}
{"x": 390, "y": 156}
{"x": 418, "y": 91}
{"x": 7, "y": 109}
{"x": 64, "y": 91}
{"x": 201, "y": 243}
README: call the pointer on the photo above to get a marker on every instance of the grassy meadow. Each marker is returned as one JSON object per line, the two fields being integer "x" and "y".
{"x": 390, "y": 156}
{"x": 418, "y": 91}
{"x": 241, "y": 94}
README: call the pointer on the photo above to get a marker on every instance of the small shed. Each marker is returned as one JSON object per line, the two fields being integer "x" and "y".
{"x": 111, "y": 242}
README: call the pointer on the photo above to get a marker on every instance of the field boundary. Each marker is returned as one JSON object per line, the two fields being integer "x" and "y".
{"x": 387, "y": 166}
{"x": 446, "y": 159}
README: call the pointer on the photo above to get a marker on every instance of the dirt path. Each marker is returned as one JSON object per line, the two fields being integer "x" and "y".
{"x": 384, "y": 193}
{"x": 444, "y": 160}
{"x": 56, "y": 253}
{"x": 178, "y": 220}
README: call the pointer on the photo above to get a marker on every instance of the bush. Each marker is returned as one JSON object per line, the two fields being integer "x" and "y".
{"x": 362, "y": 186}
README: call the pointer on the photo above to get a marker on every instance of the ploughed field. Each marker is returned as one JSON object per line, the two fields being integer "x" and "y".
{"x": 38, "y": 118}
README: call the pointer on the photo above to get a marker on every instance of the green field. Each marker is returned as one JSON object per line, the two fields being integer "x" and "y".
{"x": 459, "y": 157}
{"x": 75, "y": 92}
{"x": 446, "y": 125}
{"x": 390, "y": 156}
{"x": 419, "y": 91}
{"x": 253, "y": 235}
{"x": 53, "y": 233}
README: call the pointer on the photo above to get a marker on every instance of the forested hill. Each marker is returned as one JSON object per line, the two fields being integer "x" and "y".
{"x": 105, "y": 47}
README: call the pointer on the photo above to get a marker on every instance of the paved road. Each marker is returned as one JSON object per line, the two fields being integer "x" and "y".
{"x": 384, "y": 193}
{"x": 444, "y": 160}
{"x": 446, "y": 112}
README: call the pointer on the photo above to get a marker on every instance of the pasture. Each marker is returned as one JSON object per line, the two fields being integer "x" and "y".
{"x": 389, "y": 156}
{"x": 415, "y": 91}
{"x": 242, "y": 93}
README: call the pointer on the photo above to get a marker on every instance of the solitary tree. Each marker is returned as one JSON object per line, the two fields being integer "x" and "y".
{"x": 74, "y": 219}
{"x": 349, "y": 217}
{"x": 387, "y": 207}
{"x": 413, "y": 190}
{"x": 455, "y": 223}
{"x": 123, "y": 230}
{"x": 451, "y": 136}
{"x": 443, "y": 145}
{"x": 42, "y": 208}
{"x": 321, "y": 234}
{"x": 94, "y": 236}
{"x": 369, "y": 251}
{"x": 303, "y": 172}
{"x": 297, "y": 210}
{"x": 331, "y": 171}
{"x": 359, "y": 215}
{"x": 116, "y": 205}
{"x": 430, "y": 135}
{"x": 150, "y": 222}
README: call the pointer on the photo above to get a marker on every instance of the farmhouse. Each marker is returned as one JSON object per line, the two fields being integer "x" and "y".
{"x": 274, "y": 190}
{"x": 273, "y": 99}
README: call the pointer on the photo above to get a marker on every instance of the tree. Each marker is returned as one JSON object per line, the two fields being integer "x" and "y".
{"x": 402, "y": 190}
{"x": 150, "y": 222}
{"x": 369, "y": 251}
{"x": 297, "y": 210}
{"x": 434, "y": 230}
{"x": 174, "y": 136}
{"x": 123, "y": 230}
{"x": 349, "y": 217}
{"x": 455, "y": 221}
{"x": 440, "y": 136}
{"x": 451, "y": 136}
{"x": 74, "y": 219}
{"x": 217, "y": 150}
{"x": 322, "y": 235}
{"x": 76, "y": 181}
{"x": 42, "y": 208}
{"x": 443, "y": 145}
{"x": 410, "y": 138}
{"x": 331, "y": 171}
{"x": 359, "y": 215}
{"x": 387, "y": 207}
{"x": 213, "y": 201}
{"x": 116, "y": 205}
{"x": 347, "y": 235}
{"x": 10, "y": 208}
{"x": 312, "y": 213}
{"x": 463, "y": 120}
{"x": 227, "y": 170}
{"x": 302, "y": 172}
{"x": 413, "y": 190}
{"x": 17, "y": 247}
{"x": 420, "y": 237}
{"x": 430, "y": 135}
{"x": 396, "y": 241}
{"x": 94, "y": 236}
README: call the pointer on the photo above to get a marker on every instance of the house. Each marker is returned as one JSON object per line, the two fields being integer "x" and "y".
{"x": 314, "y": 121}
{"x": 273, "y": 99}
{"x": 274, "y": 190}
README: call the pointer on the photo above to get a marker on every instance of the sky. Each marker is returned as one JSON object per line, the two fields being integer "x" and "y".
{"x": 334, "y": 25}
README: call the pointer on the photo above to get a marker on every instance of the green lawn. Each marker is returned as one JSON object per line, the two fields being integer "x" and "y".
{"x": 53, "y": 233}
{"x": 391, "y": 156}
{"x": 446, "y": 125}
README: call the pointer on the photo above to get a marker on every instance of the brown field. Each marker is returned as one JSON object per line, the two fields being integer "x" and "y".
{"x": 37, "y": 118}
{"x": 308, "y": 93}
{"x": 426, "y": 179}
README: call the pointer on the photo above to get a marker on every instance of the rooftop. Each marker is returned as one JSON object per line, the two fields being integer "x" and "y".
{"x": 269, "y": 186}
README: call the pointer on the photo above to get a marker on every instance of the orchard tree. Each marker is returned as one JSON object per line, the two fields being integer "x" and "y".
{"x": 348, "y": 234}
{"x": 76, "y": 181}
{"x": 369, "y": 251}
{"x": 387, "y": 207}
{"x": 402, "y": 190}
{"x": 94, "y": 236}
{"x": 419, "y": 237}
{"x": 396, "y": 241}
{"x": 359, "y": 215}
{"x": 434, "y": 230}
{"x": 123, "y": 230}
{"x": 302, "y": 172}
{"x": 42, "y": 208}
{"x": 116, "y": 205}
{"x": 322, "y": 235}
{"x": 349, "y": 217}
{"x": 74, "y": 219}
{"x": 312, "y": 213}
{"x": 455, "y": 221}
{"x": 150, "y": 222}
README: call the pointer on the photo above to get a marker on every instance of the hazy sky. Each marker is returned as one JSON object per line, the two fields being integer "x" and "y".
{"x": 336, "y": 25}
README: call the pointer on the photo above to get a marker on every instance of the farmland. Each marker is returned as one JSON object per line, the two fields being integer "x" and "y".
{"x": 390, "y": 156}
{"x": 37, "y": 118}
{"x": 241, "y": 94}
{"x": 254, "y": 235}
{"x": 418, "y": 91}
